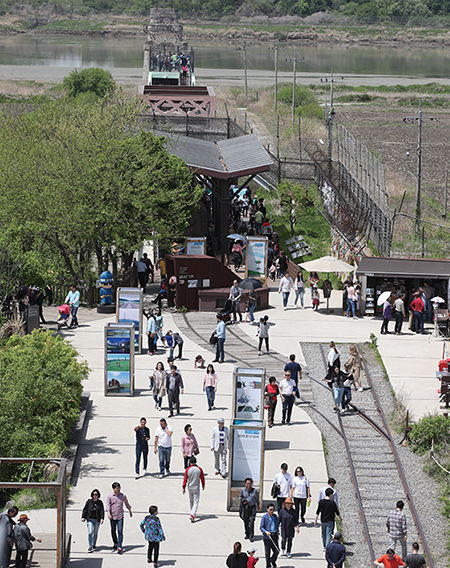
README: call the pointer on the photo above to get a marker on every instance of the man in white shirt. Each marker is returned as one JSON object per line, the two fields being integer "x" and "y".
{"x": 163, "y": 446}
{"x": 284, "y": 288}
{"x": 284, "y": 482}
{"x": 219, "y": 445}
{"x": 287, "y": 387}
{"x": 334, "y": 497}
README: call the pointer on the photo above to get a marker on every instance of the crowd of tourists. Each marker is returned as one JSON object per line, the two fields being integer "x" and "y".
{"x": 170, "y": 62}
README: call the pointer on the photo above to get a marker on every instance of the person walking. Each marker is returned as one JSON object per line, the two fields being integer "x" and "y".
{"x": 235, "y": 297}
{"x": 355, "y": 365}
{"x": 151, "y": 333}
{"x": 296, "y": 371}
{"x": 189, "y": 445}
{"x": 334, "y": 357}
{"x": 159, "y": 327}
{"x": 351, "y": 300}
{"x": 283, "y": 480}
{"x": 159, "y": 378}
{"x": 237, "y": 559}
{"x": 73, "y": 299}
{"x": 271, "y": 398}
{"x": 23, "y": 539}
{"x": 219, "y": 445}
{"x": 153, "y": 534}
{"x": 335, "y": 552}
{"x": 163, "y": 446}
{"x": 193, "y": 477}
{"x": 387, "y": 314}
{"x": 415, "y": 560}
{"x": 142, "y": 438}
{"x": 210, "y": 381}
{"x": 313, "y": 283}
{"x": 114, "y": 509}
{"x": 270, "y": 526}
{"x": 248, "y": 504}
{"x": 252, "y": 302}
{"x": 396, "y": 527}
{"x": 263, "y": 333}
{"x": 399, "y": 312}
{"x": 348, "y": 382}
{"x": 336, "y": 382}
{"x": 284, "y": 288}
{"x": 327, "y": 509}
{"x": 221, "y": 336}
{"x": 301, "y": 492}
{"x": 94, "y": 514}
{"x": 287, "y": 387}
{"x": 7, "y": 535}
{"x": 331, "y": 485}
{"x": 299, "y": 288}
{"x": 283, "y": 264}
{"x": 288, "y": 525}
{"x": 174, "y": 386}
{"x": 389, "y": 560}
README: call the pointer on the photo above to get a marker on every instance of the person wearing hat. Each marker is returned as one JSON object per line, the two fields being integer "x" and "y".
{"x": 252, "y": 559}
{"x": 335, "y": 552}
{"x": 289, "y": 524}
{"x": 284, "y": 482}
{"x": 23, "y": 538}
{"x": 219, "y": 445}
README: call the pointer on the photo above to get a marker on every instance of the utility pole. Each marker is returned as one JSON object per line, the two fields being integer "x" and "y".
{"x": 245, "y": 71}
{"x": 420, "y": 120}
{"x": 276, "y": 76}
{"x": 293, "y": 89}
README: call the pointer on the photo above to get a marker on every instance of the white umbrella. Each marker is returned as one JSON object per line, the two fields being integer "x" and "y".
{"x": 438, "y": 300}
{"x": 327, "y": 264}
{"x": 383, "y": 297}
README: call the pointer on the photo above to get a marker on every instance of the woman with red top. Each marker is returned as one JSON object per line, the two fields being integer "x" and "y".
{"x": 271, "y": 393}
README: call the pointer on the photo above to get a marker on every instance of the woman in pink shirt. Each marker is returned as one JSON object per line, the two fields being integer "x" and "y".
{"x": 210, "y": 381}
{"x": 189, "y": 445}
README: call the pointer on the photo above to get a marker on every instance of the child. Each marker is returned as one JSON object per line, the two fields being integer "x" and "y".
{"x": 178, "y": 340}
{"x": 316, "y": 299}
{"x": 252, "y": 560}
{"x": 199, "y": 362}
{"x": 170, "y": 343}
{"x": 247, "y": 314}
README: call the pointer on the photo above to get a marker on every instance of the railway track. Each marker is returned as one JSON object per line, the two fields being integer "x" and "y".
{"x": 376, "y": 471}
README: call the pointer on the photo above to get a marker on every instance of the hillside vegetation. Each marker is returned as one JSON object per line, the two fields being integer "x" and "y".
{"x": 365, "y": 11}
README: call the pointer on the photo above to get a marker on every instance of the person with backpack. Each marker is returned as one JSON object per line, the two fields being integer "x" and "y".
{"x": 24, "y": 541}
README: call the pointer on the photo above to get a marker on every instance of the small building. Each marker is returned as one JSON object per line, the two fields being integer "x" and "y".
{"x": 380, "y": 274}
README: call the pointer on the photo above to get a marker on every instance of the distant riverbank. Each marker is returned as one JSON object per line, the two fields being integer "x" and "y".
{"x": 316, "y": 29}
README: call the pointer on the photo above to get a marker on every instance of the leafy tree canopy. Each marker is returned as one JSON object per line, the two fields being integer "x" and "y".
{"x": 85, "y": 181}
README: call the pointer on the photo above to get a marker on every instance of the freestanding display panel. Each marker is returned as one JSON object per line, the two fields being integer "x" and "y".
{"x": 256, "y": 258}
{"x": 195, "y": 246}
{"x": 247, "y": 434}
{"x": 119, "y": 359}
{"x": 129, "y": 310}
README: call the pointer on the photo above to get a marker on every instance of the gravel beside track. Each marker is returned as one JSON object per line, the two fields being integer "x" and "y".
{"x": 368, "y": 449}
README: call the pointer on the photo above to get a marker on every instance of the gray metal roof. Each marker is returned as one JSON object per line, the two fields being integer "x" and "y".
{"x": 226, "y": 159}
{"x": 404, "y": 267}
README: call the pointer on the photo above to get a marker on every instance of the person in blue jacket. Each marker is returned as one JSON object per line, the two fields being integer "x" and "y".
{"x": 269, "y": 527}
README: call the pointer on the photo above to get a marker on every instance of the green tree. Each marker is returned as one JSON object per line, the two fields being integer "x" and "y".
{"x": 41, "y": 385}
{"x": 94, "y": 80}
{"x": 88, "y": 180}
{"x": 292, "y": 198}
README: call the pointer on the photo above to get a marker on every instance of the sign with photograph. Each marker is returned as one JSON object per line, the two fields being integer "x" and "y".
{"x": 256, "y": 258}
{"x": 196, "y": 246}
{"x": 248, "y": 394}
{"x": 119, "y": 359}
{"x": 129, "y": 310}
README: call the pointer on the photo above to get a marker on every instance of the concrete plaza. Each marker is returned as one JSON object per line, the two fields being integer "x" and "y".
{"x": 107, "y": 452}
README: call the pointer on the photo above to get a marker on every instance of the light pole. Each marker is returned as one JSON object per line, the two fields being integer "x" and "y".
{"x": 420, "y": 120}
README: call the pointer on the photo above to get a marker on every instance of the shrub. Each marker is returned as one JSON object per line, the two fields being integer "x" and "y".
{"x": 430, "y": 429}
{"x": 93, "y": 80}
{"x": 41, "y": 385}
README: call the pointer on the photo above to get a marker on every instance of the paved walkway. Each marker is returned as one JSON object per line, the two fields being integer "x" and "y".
{"x": 107, "y": 452}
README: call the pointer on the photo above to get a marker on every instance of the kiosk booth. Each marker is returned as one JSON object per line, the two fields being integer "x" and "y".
{"x": 378, "y": 275}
